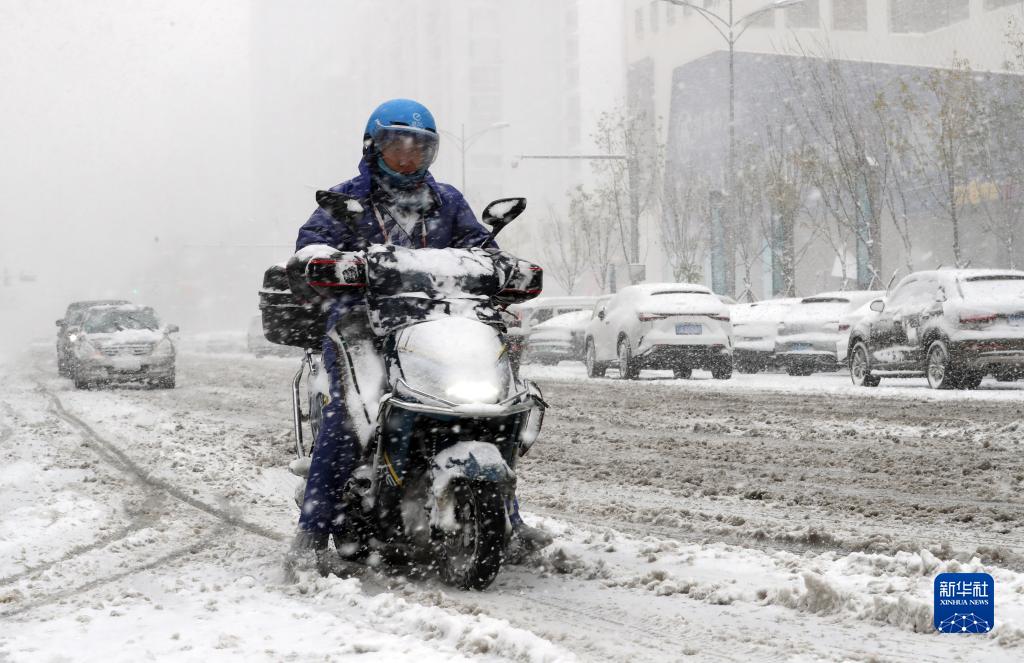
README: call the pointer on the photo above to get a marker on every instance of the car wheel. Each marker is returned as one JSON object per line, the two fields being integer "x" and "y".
{"x": 799, "y": 368}
{"x": 971, "y": 380}
{"x": 628, "y": 368}
{"x": 748, "y": 367}
{"x": 595, "y": 368}
{"x": 722, "y": 370}
{"x": 860, "y": 368}
{"x": 940, "y": 371}
{"x": 78, "y": 380}
{"x": 682, "y": 372}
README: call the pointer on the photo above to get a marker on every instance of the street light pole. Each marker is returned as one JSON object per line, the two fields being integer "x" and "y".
{"x": 727, "y": 29}
{"x": 465, "y": 143}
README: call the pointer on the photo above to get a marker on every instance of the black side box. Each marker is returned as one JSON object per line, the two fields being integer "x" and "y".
{"x": 289, "y": 319}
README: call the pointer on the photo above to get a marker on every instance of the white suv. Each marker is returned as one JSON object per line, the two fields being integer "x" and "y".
{"x": 681, "y": 326}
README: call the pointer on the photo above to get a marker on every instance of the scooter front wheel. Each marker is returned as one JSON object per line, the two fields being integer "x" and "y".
{"x": 470, "y": 556}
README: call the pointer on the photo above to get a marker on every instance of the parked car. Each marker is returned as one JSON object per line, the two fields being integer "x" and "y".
{"x": 123, "y": 343}
{"x": 524, "y": 316}
{"x": 560, "y": 337}
{"x": 754, "y": 327}
{"x": 952, "y": 326}
{"x": 67, "y": 328}
{"x": 847, "y": 322}
{"x": 808, "y": 336}
{"x": 680, "y": 326}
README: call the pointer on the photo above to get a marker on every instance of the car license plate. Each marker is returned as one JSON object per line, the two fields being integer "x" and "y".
{"x": 1016, "y": 320}
{"x": 689, "y": 328}
{"x": 800, "y": 347}
{"x": 127, "y": 365}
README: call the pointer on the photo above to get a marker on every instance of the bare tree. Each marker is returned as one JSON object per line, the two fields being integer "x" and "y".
{"x": 1001, "y": 194}
{"x": 599, "y": 229}
{"x": 949, "y": 132}
{"x": 565, "y": 249}
{"x": 685, "y": 209}
{"x": 629, "y": 177}
{"x": 843, "y": 159}
{"x": 786, "y": 188}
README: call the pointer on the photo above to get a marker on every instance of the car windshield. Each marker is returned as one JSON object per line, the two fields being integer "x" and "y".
{"x": 115, "y": 320}
{"x": 994, "y": 287}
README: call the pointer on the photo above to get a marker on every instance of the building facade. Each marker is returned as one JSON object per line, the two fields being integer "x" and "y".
{"x": 679, "y": 64}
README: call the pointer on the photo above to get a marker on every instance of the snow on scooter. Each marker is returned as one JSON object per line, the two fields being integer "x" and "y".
{"x": 443, "y": 418}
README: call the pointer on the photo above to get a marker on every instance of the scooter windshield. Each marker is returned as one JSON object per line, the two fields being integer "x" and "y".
{"x": 456, "y": 359}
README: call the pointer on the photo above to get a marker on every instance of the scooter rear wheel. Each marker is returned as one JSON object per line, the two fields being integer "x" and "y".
{"x": 471, "y": 556}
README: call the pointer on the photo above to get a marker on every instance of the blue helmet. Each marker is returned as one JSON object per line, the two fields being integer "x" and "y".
{"x": 401, "y": 127}
{"x": 400, "y": 113}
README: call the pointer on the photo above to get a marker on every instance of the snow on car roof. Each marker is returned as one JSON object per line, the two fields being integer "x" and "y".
{"x": 667, "y": 288}
{"x": 568, "y": 300}
{"x": 122, "y": 308}
{"x": 842, "y": 297}
{"x": 566, "y": 320}
{"x": 971, "y": 274}
{"x": 763, "y": 310}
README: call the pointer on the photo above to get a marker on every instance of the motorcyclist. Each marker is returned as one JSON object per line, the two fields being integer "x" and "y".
{"x": 403, "y": 205}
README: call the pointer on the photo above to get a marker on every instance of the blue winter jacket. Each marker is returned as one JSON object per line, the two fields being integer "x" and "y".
{"x": 450, "y": 224}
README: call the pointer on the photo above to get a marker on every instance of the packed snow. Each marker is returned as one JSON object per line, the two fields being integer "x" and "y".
{"x": 765, "y": 517}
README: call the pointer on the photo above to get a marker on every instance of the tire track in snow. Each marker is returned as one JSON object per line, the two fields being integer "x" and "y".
{"x": 137, "y": 523}
{"x": 49, "y": 599}
{"x": 148, "y": 478}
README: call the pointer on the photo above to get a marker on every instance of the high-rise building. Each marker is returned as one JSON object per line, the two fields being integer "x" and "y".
{"x": 679, "y": 65}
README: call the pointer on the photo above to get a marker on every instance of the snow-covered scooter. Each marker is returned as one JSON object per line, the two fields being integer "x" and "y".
{"x": 444, "y": 418}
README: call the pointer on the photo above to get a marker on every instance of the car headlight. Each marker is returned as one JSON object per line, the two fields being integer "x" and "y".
{"x": 73, "y": 338}
{"x": 164, "y": 348}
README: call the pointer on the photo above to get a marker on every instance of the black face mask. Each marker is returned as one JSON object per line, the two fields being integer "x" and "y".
{"x": 395, "y": 180}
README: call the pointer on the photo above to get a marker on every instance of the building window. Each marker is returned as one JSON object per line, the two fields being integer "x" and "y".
{"x": 926, "y": 15}
{"x": 655, "y": 6}
{"x": 639, "y": 18}
{"x": 670, "y": 14}
{"x": 850, "y": 15}
{"x": 805, "y": 15}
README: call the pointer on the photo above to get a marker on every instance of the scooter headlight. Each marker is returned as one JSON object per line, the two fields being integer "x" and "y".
{"x": 478, "y": 391}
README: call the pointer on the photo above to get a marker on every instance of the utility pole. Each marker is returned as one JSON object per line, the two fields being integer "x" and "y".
{"x": 730, "y": 29}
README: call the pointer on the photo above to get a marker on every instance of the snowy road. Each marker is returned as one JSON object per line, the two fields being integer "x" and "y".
{"x": 763, "y": 518}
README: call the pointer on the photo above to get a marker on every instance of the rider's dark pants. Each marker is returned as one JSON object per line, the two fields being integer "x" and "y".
{"x": 335, "y": 453}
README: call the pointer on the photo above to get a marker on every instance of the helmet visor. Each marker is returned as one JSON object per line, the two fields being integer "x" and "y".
{"x": 406, "y": 149}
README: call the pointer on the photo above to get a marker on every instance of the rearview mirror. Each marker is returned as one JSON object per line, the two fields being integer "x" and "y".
{"x": 500, "y": 213}
{"x": 877, "y": 306}
{"x": 60, "y": 323}
{"x": 172, "y": 328}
